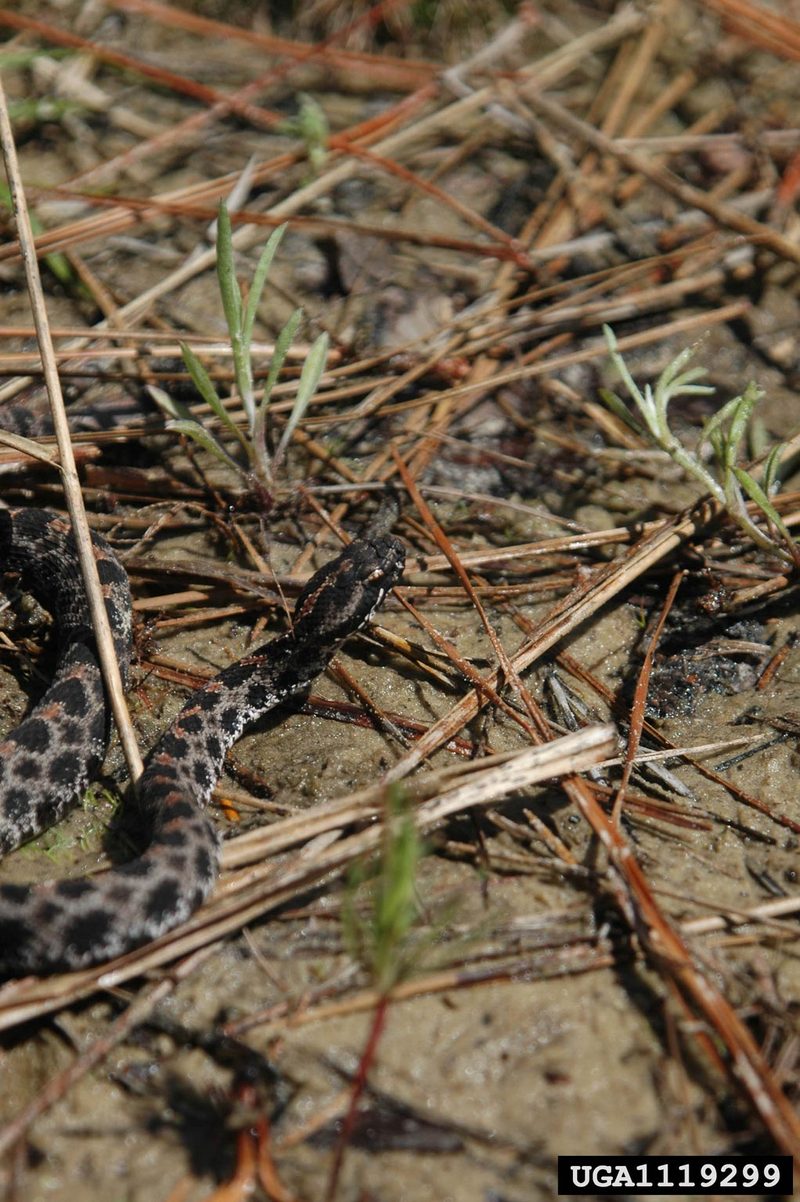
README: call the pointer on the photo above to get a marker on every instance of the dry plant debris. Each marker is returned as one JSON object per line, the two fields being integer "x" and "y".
{"x": 595, "y": 963}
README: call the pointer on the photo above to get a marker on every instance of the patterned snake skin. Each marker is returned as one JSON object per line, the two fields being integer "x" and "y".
{"x": 47, "y": 761}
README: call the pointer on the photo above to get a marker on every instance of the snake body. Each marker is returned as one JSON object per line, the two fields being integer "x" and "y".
{"x": 47, "y": 761}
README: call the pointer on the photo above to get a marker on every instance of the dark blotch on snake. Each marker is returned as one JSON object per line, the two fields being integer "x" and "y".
{"x": 16, "y": 805}
{"x": 16, "y": 894}
{"x": 72, "y": 696}
{"x": 191, "y": 724}
{"x": 87, "y": 931}
{"x": 179, "y": 809}
{"x": 163, "y": 899}
{"x": 74, "y": 888}
{"x": 29, "y": 769}
{"x": 173, "y": 838}
{"x": 33, "y": 735}
{"x": 203, "y": 865}
{"x": 66, "y": 765}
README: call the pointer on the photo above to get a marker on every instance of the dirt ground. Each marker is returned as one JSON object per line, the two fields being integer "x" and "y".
{"x": 462, "y": 244}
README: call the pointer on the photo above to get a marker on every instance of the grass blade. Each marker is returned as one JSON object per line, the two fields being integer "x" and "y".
{"x": 226, "y": 274}
{"x": 282, "y": 344}
{"x": 206, "y": 440}
{"x": 772, "y": 467}
{"x": 309, "y": 381}
{"x": 621, "y": 366}
{"x": 712, "y": 427}
{"x": 741, "y": 416}
{"x": 258, "y": 282}
{"x": 232, "y": 307}
{"x": 204, "y": 385}
{"x": 621, "y": 410}
{"x": 168, "y": 404}
{"x": 756, "y": 493}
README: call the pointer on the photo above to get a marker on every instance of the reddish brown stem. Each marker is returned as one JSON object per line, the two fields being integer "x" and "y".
{"x": 379, "y": 1017}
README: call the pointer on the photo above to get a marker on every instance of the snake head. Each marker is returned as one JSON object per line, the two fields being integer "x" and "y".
{"x": 344, "y": 594}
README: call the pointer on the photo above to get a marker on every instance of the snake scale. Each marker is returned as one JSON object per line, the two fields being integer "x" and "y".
{"x": 48, "y": 760}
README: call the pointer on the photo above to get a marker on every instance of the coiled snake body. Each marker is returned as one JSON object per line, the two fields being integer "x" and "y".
{"x": 48, "y": 760}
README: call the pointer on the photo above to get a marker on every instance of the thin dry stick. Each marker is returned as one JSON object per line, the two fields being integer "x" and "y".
{"x": 640, "y": 697}
{"x": 69, "y": 474}
{"x": 728, "y": 917}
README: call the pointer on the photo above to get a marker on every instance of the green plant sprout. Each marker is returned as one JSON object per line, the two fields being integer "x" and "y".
{"x": 46, "y": 108}
{"x": 37, "y": 109}
{"x": 382, "y": 940}
{"x": 723, "y": 432}
{"x": 12, "y": 59}
{"x": 260, "y": 466}
{"x": 311, "y": 126}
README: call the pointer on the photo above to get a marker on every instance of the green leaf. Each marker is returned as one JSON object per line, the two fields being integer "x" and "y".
{"x": 259, "y": 280}
{"x": 772, "y": 467}
{"x": 282, "y": 344}
{"x": 44, "y": 109}
{"x": 717, "y": 441}
{"x": 311, "y": 124}
{"x": 621, "y": 410}
{"x": 673, "y": 383}
{"x": 206, "y": 440}
{"x": 232, "y": 307}
{"x": 204, "y": 385}
{"x": 395, "y": 905}
{"x": 168, "y": 404}
{"x": 651, "y": 414}
{"x": 756, "y": 493}
{"x": 226, "y": 273}
{"x": 61, "y": 268}
{"x": 758, "y": 438}
{"x": 12, "y": 59}
{"x": 200, "y": 377}
{"x": 314, "y": 130}
{"x": 621, "y": 366}
{"x": 684, "y": 385}
{"x": 307, "y": 386}
{"x": 741, "y": 416}
{"x": 259, "y": 433}
{"x": 712, "y": 431}
{"x": 666, "y": 381}
{"x": 58, "y": 263}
